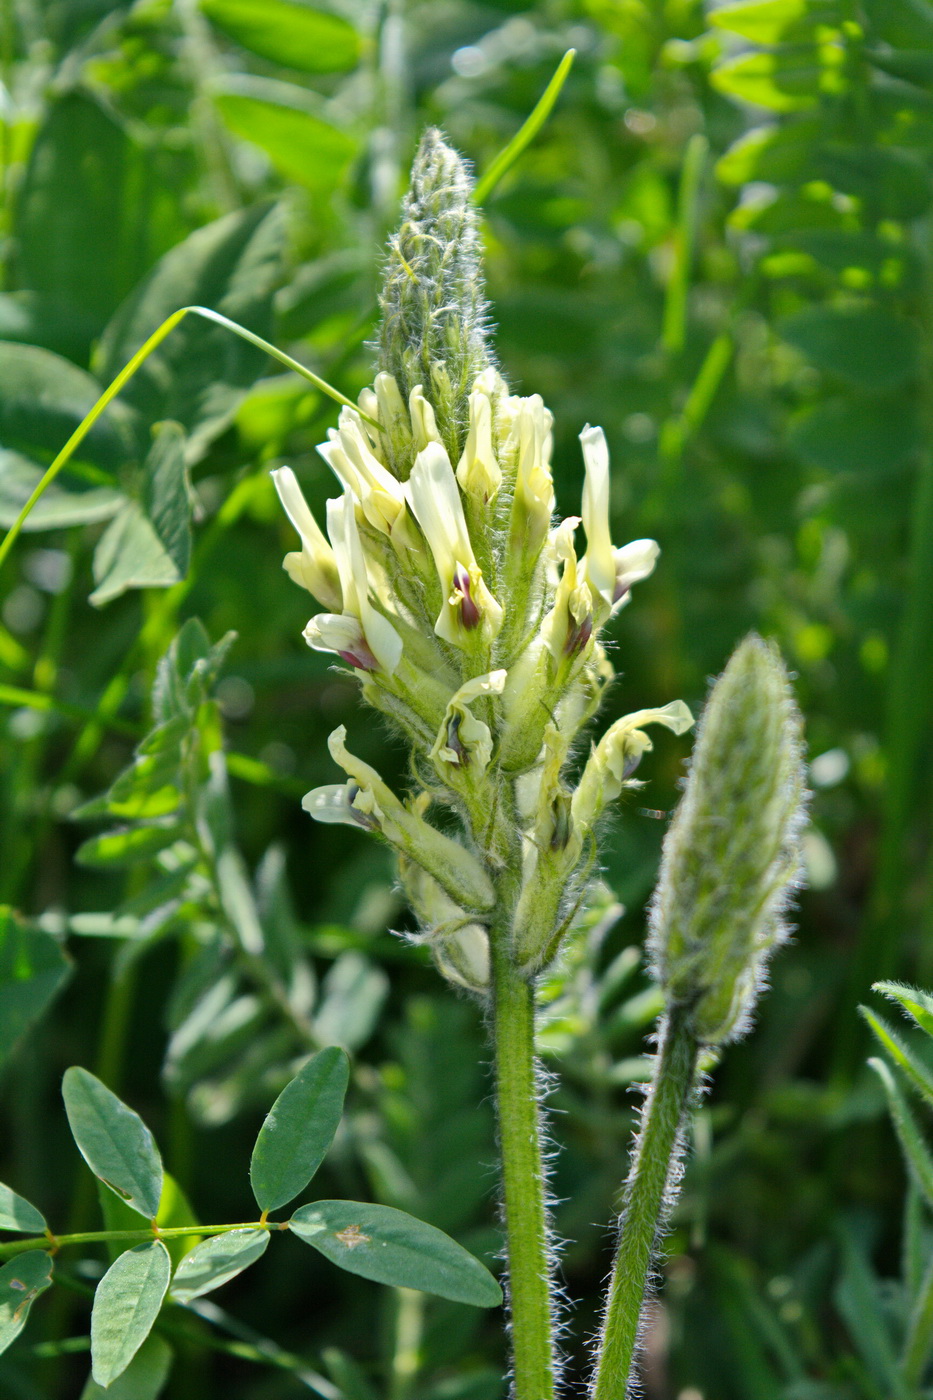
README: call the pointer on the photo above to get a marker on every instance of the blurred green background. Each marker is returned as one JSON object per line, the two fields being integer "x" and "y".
{"x": 720, "y": 248}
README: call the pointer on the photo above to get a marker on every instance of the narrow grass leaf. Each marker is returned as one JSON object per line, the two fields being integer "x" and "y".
{"x": 298, "y": 1130}
{"x": 21, "y": 1282}
{"x": 114, "y": 1141}
{"x": 526, "y": 132}
{"x": 126, "y": 1304}
{"x": 918, "y": 1075}
{"x": 388, "y": 1246}
{"x": 143, "y": 1379}
{"x": 18, "y": 1215}
{"x": 858, "y": 1299}
{"x": 915, "y": 1149}
{"x": 215, "y": 1261}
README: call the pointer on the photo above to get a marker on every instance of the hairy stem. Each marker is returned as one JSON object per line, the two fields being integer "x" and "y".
{"x": 643, "y": 1205}
{"x": 522, "y": 1175}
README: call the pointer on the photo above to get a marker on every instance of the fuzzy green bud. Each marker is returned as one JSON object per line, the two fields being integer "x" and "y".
{"x": 732, "y": 854}
{"x": 433, "y": 333}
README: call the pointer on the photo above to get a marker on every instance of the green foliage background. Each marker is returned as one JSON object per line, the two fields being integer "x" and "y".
{"x": 719, "y": 248}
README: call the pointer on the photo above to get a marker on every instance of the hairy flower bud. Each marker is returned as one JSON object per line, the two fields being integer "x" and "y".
{"x": 433, "y": 304}
{"x": 732, "y": 854}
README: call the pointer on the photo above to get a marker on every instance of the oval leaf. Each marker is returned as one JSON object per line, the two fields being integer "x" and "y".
{"x": 126, "y": 1304}
{"x": 386, "y": 1245}
{"x": 299, "y": 1129}
{"x": 215, "y": 1261}
{"x": 114, "y": 1141}
{"x": 17, "y": 1214}
{"x": 127, "y": 845}
{"x": 143, "y": 1379}
{"x": 21, "y": 1282}
{"x": 288, "y": 32}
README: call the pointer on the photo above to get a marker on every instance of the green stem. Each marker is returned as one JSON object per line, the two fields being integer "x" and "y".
{"x": 643, "y": 1205}
{"x": 172, "y": 1232}
{"x": 524, "y": 1208}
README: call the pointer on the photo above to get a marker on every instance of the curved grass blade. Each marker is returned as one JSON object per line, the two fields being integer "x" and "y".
{"x": 142, "y": 354}
{"x": 388, "y": 1246}
{"x": 914, "y": 1003}
{"x": 916, "y": 1151}
{"x": 114, "y": 1141}
{"x": 914, "y": 1070}
{"x": 526, "y": 132}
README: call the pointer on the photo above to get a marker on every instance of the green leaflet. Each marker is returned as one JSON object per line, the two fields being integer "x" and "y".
{"x": 33, "y": 970}
{"x": 299, "y": 1129}
{"x": 215, "y": 1261}
{"x": 295, "y": 35}
{"x": 282, "y": 120}
{"x": 389, "y": 1246}
{"x": 867, "y": 346}
{"x": 21, "y": 1282}
{"x": 18, "y": 1214}
{"x": 126, "y": 845}
{"x": 148, "y": 544}
{"x": 143, "y": 1379}
{"x": 114, "y": 1141}
{"x": 126, "y": 1304}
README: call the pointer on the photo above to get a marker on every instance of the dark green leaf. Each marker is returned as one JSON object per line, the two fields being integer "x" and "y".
{"x": 861, "y": 435}
{"x": 68, "y": 501}
{"x": 388, "y": 1246}
{"x": 18, "y": 1215}
{"x": 866, "y": 346}
{"x": 198, "y": 375}
{"x": 298, "y": 1130}
{"x": 35, "y": 319}
{"x": 148, "y": 545}
{"x": 288, "y": 33}
{"x": 143, "y": 1379}
{"x": 126, "y": 1304}
{"x": 215, "y": 1261}
{"x": 33, "y": 970}
{"x": 166, "y": 497}
{"x": 43, "y": 398}
{"x": 283, "y": 122}
{"x": 21, "y": 1282}
{"x": 89, "y": 218}
{"x": 127, "y": 845}
{"x": 130, "y": 554}
{"x": 114, "y": 1141}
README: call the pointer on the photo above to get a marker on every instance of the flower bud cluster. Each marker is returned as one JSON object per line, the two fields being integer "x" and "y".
{"x": 471, "y": 619}
{"x": 732, "y": 855}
